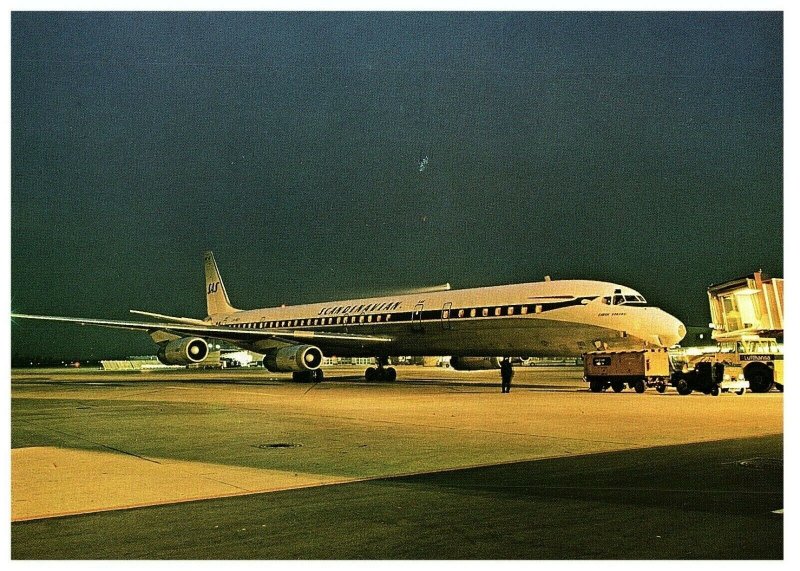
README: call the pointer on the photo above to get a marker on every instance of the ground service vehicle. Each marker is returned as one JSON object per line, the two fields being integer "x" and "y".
{"x": 760, "y": 359}
{"x": 637, "y": 369}
{"x": 710, "y": 377}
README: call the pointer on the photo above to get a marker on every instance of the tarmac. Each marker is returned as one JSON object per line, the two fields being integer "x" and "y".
{"x": 115, "y": 455}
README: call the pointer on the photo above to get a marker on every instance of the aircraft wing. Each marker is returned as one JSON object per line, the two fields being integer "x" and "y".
{"x": 219, "y": 332}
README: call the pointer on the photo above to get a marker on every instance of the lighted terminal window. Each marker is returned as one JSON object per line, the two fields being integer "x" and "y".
{"x": 461, "y": 313}
{"x": 472, "y": 312}
{"x": 524, "y": 310}
{"x": 388, "y": 316}
{"x": 498, "y": 310}
{"x": 485, "y": 312}
{"x": 510, "y": 311}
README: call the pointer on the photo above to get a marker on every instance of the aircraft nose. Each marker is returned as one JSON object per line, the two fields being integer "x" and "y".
{"x": 671, "y": 330}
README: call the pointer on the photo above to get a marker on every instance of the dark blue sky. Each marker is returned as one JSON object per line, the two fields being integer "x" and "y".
{"x": 641, "y": 148}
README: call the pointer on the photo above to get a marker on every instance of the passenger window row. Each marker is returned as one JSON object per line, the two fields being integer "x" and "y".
{"x": 428, "y": 315}
{"x": 340, "y": 320}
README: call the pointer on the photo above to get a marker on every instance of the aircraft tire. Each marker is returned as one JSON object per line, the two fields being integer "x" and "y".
{"x": 303, "y": 376}
{"x": 760, "y": 377}
{"x": 779, "y": 386}
{"x": 317, "y": 375}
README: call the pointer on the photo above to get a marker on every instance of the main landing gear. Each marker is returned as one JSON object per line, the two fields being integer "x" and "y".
{"x": 382, "y": 372}
{"x": 314, "y": 376}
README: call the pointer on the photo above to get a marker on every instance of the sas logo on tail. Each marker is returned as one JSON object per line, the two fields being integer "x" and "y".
{"x": 212, "y": 288}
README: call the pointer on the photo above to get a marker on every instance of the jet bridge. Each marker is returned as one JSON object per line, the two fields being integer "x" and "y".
{"x": 747, "y": 322}
{"x": 747, "y": 306}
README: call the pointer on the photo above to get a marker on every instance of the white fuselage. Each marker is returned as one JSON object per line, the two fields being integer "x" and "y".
{"x": 550, "y": 318}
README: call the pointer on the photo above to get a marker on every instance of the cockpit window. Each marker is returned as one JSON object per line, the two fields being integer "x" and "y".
{"x": 619, "y": 299}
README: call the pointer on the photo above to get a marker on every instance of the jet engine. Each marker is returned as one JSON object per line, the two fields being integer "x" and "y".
{"x": 293, "y": 359}
{"x": 183, "y": 351}
{"x": 474, "y": 363}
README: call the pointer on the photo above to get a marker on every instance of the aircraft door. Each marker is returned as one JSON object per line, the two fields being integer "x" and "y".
{"x": 446, "y": 309}
{"x": 416, "y": 318}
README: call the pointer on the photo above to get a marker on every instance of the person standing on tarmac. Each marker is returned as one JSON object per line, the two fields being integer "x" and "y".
{"x": 506, "y": 373}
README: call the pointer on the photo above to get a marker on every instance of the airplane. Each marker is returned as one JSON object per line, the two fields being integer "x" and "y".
{"x": 550, "y": 318}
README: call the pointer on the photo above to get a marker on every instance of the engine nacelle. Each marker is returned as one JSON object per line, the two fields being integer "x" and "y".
{"x": 474, "y": 363}
{"x": 184, "y": 351}
{"x": 293, "y": 359}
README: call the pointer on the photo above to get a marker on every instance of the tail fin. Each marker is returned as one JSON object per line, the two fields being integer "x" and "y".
{"x": 216, "y": 296}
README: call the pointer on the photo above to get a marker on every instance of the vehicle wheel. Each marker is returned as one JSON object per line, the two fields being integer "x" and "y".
{"x": 370, "y": 374}
{"x": 661, "y": 388}
{"x": 639, "y": 386}
{"x": 596, "y": 386}
{"x": 390, "y": 374}
{"x": 714, "y": 391}
{"x": 618, "y": 387}
{"x": 760, "y": 377}
{"x": 740, "y": 392}
{"x": 683, "y": 387}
